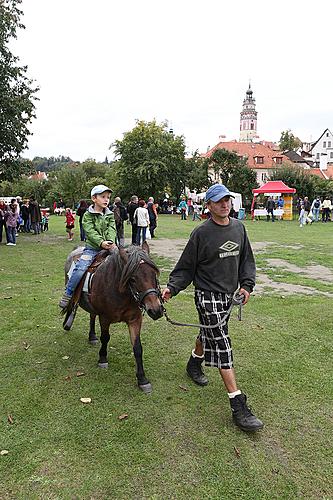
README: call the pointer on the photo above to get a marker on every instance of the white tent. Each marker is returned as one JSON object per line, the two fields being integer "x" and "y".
{"x": 237, "y": 201}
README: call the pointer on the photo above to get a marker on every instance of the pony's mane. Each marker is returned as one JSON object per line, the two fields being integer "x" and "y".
{"x": 122, "y": 272}
{"x": 135, "y": 256}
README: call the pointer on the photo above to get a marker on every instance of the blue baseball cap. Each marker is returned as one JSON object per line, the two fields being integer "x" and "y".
{"x": 217, "y": 192}
{"x": 99, "y": 189}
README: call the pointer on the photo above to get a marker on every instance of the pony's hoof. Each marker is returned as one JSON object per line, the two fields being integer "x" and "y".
{"x": 103, "y": 365}
{"x": 93, "y": 341}
{"x": 146, "y": 388}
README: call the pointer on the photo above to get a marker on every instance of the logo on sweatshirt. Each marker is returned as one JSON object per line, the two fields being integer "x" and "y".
{"x": 228, "y": 249}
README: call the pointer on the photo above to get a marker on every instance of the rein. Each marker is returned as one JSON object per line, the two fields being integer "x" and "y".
{"x": 237, "y": 300}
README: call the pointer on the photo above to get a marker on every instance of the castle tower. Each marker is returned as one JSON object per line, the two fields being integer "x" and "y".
{"x": 248, "y": 118}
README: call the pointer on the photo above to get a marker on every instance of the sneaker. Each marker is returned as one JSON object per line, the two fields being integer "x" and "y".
{"x": 65, "y": 300}
{"x": 195, "y": 372}
{"x": 242, "y": 415}
{"x": 11, "y": 244}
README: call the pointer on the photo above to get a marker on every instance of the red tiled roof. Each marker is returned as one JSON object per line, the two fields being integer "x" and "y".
{"x": 323, "y": 174}
{"x": 251, "y": 150}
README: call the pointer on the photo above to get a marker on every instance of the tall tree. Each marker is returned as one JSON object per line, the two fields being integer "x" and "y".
{"x": 288, "y": 141}
{"x": 197, "y": 178}
{"x": 17, "y": 96}
{"x": 298, "y": 178}
{"x": 150, "y": 159}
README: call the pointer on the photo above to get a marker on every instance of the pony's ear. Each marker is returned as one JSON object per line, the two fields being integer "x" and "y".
{"x": 145, "y": 247}
{"x": 123, "y": 254}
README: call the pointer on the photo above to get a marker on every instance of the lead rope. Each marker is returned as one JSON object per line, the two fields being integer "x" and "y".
{"x": 237, "y": 300}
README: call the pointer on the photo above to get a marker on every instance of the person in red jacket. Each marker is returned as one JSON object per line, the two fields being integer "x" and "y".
{"x": 70, "y": 221}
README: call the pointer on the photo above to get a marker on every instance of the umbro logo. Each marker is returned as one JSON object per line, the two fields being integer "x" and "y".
{"x": 228, "y": 249}
{"x": 229, "y": 246}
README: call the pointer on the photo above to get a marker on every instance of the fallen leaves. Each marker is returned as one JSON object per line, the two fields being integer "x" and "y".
{"x": 80, "y": 374}
{"x": 65, "y": 357}
{"x": 26, "y": 346}
{"x": 4, "y": 452}
{"x": 183, "y": 388}
{"x": 237, "y": 452}
{"x": 124, "y": 416}
{"x": 10, "y": 419}
{"x": 68, "y": 378}
{"x": 85, "y": 400}
{"x": 7, "y": 298}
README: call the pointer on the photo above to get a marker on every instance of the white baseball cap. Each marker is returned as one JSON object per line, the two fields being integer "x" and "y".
{"x": 99, "y": 189}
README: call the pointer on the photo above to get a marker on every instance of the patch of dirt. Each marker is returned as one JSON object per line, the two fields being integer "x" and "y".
{"x": 264, "y": 282}
{"x": 172, "y": 249}
{"x": 317, "y": 272}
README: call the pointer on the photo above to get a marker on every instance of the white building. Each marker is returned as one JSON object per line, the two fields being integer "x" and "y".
{"x": 321, "y": 151}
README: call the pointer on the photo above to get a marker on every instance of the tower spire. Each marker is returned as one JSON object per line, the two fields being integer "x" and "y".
{"x": 248, "y": 117}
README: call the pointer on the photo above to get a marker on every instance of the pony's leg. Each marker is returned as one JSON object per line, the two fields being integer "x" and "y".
{"x": 134, "y": 329}
{"x": 105, "y": 337}
{"x": 92, "y": 331}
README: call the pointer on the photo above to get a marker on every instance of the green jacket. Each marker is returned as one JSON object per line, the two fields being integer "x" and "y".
{"x": 98, "y": 227}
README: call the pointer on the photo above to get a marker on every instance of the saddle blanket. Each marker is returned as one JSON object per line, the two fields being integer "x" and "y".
{"x": 87, "y": 281}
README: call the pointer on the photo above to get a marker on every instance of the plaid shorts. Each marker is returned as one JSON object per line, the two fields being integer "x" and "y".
{"x": 216, "y": 342}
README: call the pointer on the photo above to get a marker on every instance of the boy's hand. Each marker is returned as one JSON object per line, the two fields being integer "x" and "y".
{"x": 108, "y": 245}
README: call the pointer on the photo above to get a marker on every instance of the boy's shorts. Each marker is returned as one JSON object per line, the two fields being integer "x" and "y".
{"x": 216, "y": 342}
{"x": 69, "y": 228}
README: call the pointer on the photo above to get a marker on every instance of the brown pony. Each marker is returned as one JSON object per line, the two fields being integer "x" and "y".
{"x": 122, "y": 287}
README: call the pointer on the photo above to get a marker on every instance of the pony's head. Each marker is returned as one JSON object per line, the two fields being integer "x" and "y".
{"x": 140, "y": 276}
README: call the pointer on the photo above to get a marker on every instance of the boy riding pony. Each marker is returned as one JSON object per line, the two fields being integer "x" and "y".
{"x": 99, "y": 226}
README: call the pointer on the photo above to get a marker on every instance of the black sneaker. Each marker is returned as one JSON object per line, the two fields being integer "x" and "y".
{"x": 242, "y": 415}
{"x": 194, "y": 371}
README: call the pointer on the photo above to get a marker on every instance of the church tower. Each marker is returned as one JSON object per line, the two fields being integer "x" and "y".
{"x": 248, "y": 118}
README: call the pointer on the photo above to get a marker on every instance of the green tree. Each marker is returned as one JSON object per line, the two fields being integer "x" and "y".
{"x": 17, "y": 96}
{"x": 298, "y": 178}
{"x": 150, "y": 159}
{"x": 71, "y": 184}
{"x": 196, "y": 173}
{"x": 234, "y": 172}
{"x": 288, "y": 141}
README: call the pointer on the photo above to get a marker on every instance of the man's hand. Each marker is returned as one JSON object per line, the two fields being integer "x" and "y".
{"x": 246, "y": 294}
{"x": 166, "y": 294}
{"x": 108, "y": 245}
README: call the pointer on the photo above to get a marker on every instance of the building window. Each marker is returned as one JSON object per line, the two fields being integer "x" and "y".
{"x": 264, "y": 177}
{"x": 259, "y": 159}
{"x": 277, "y": 160}
{"x": 324, "y": 144}
{"x": 329, "y": 144}
{"x": 327, "y": 134}
{"x": 252, "y": 126}
{"x": 317, "y": 156}
{"x": 331, "y": 154}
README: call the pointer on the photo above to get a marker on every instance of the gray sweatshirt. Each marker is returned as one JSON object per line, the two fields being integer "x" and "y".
{"x": 216, "y": 258}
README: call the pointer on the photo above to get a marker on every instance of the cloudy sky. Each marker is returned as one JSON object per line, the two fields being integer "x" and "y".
{"x": 103, "y": 64}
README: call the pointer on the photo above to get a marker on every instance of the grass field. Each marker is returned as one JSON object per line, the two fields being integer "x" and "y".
{"x": 178, "y": 442}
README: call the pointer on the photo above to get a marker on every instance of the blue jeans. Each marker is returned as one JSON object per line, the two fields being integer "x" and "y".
{"x": 138, "y": 234}
{"x": 80, "y": 268}
{"x": 315, "y": 212}
{"x": 11, "y": 234}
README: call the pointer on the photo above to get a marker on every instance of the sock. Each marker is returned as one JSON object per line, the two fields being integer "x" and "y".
{"x": 196, "y": 356}
{"x": 234, "y": 394}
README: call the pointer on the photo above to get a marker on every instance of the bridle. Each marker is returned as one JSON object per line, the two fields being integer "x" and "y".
{"x": 140, "y": 296}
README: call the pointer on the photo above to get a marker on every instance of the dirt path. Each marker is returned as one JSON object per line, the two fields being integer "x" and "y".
{"x": 173, "y": 248}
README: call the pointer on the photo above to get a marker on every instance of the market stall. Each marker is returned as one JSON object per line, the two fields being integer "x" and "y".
{"x": 274, "y": 189}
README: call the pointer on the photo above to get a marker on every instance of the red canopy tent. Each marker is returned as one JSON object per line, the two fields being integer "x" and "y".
{"x": 273, "y": 187}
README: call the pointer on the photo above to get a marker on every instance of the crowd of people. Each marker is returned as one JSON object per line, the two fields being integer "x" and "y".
{"x": 21, "y": 216}
{"x": 311, "y": 212}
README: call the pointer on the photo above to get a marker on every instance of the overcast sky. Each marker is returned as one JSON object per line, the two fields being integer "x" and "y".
{"x": 103, "y": 64}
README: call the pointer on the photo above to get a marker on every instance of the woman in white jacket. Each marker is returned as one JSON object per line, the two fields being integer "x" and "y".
{"x": 141, "y": 215}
